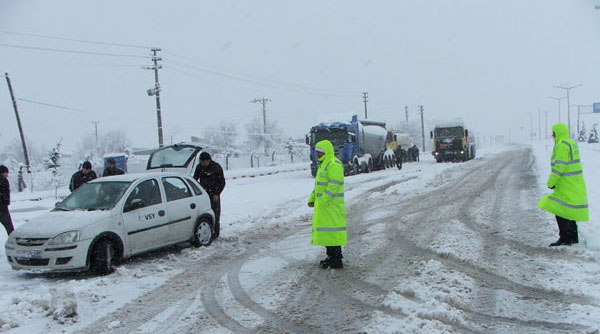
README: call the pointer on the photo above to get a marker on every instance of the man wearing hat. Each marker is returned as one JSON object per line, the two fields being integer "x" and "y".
{"x": 111, "y": 168}
{"x": 83, "y": 176}
{"x": 5, "y": 200}
{"x": 210, "y": 176}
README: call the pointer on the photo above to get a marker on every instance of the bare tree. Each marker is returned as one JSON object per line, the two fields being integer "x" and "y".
{"x": 12, "y": 153}
{"x": 260, "y": 138}
{"x": 223, "y": 136}
{"x": 111, "y": 142}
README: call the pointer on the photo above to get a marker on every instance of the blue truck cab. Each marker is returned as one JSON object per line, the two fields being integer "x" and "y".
{"x": 342, "y": 136}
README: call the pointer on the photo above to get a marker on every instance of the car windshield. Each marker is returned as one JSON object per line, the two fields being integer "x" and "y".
{"x": 335, "y": 136}
{"x": 172, "y": 156}
{"x": 94, "y": 196}
{"x": 449, "y": 132}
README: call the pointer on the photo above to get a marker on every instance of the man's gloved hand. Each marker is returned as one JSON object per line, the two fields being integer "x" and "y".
{"x": 311, "y": 204}
{"x": 551, "y": 187}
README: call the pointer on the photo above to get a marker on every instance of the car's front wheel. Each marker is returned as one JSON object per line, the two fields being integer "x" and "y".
{"x": 101, "y": 262}
{"x": 203, "y": 233}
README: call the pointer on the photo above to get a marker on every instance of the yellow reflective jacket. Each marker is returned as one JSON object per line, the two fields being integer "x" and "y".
{"x": 569, "y": 198}
{"x": 329, "y": 219}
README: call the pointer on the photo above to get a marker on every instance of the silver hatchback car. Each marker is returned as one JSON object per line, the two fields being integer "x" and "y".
{"x": 112, "y": 218}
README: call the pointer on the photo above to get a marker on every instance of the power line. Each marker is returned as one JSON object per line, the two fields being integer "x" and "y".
{"x": 264, "y": 82}
{"x": 75, "y": 40}
{"x": 50, "y": 105}
{"x": 70, "y": 51}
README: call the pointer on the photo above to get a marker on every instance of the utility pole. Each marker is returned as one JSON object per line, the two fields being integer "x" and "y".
{"x": 578, "y": 116}
{"x": 558, "y": 99}
{"x": 156, "y": 91}
{"x": 568, "y": 105}
{"x": 546, "y": 123}
{"x": 96, "y": 131}
{"x": 539, "y": 124}
{"x": 14, "y": 102}
{"x": 365, "y": 94}
{"x": 530, "y": 126}
{"x": 264, "y": 111}
{"x": 422, "y": 127}
{"x": 406, "y": 113}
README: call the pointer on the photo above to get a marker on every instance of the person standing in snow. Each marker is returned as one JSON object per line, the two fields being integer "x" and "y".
{"x": 568, "y": 201}
{"x": 83, "y": 176}
{"x": 5, "y": 200}
{"x": 415, "y": 152}
{"x": 327, "y": 199}
{"x": 210, "y": 176}
{"x": 111, "y": 168}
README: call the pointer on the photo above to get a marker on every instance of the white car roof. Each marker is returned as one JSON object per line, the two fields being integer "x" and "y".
{"x": 135, "y": 176}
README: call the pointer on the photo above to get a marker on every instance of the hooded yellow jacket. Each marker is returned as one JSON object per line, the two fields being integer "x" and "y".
{"x": 329, "y": 219}
{"x": 569, "y": 198}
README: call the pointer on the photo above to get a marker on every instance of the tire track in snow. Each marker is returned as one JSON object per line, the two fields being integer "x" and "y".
{"x": 474, "y": 316}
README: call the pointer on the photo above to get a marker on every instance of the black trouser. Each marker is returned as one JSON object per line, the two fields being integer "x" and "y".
{"x": 334, "y": 252}
{"x": 216, "y": 207}
{"x": 567, "y": 230}
{"x": 6, "y": 221}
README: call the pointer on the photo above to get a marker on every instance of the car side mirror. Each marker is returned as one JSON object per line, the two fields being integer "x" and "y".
{"x": 466, "y": 133}
{"x": 135, "y": 204}
{"x": 431, "y": 134}
{"x": 307, "y": 140}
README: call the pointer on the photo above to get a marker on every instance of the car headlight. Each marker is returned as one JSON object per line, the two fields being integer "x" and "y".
{"x": 65, "y": 238}
{"x": 11, "y": 240}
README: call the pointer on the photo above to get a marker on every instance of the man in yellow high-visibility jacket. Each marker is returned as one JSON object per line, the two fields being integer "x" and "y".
{"x": 568, "y": 201}
{"x": 329, "y": 219}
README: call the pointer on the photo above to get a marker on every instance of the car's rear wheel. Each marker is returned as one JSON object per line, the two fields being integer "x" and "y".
{"x": 101, "y": 262}
{"x": 203, "y": 233}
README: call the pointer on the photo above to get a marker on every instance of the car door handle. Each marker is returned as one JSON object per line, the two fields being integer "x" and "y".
{"x": 161, "y": 213}
{"x": 193, "y": 205}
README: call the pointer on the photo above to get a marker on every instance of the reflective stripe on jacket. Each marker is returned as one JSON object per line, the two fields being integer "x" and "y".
{"x": 569, "y": 198}
{"x": 329, "y": 219}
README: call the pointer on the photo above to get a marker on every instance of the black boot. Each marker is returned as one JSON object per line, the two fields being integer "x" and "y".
{"x": 325, "y": 263}
{"x": 559, "y": 242}
{"x": 336, "y": 264}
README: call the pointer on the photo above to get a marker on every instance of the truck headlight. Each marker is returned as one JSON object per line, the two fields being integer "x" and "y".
{"x": 65, "y": 238}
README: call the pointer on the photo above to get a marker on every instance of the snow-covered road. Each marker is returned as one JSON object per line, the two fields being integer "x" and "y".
{"x": 433, "y": 248}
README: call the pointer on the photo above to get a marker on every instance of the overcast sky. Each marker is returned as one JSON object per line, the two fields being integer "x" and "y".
{"x": 490, "y": 62}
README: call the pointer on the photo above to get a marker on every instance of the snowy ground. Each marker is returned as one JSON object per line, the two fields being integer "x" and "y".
{"x": 464, "y": 269}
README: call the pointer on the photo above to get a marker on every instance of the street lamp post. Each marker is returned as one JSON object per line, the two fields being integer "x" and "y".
{"x": 558, "y": 99}
{"x": 568, "y": 104}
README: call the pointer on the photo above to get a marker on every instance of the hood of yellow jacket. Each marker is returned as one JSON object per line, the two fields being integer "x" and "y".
{"x": 561, "y": 132}
{"x": 327, "y": 148}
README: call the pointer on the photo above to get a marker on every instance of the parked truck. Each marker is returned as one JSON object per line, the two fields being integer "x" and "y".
{"x": 361, "y": 145}
{"x": 451, "y": 142}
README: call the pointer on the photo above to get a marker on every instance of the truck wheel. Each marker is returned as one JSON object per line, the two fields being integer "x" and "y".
{"x": 355, "y": 166}
{"x": 203, "y": 233}
{"x": 101, "y": 262}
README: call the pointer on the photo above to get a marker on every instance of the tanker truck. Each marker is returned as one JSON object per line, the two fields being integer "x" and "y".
{"x": 360, "y": 145}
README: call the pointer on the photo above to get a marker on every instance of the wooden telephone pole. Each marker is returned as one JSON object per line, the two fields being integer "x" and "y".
{"x": 14, "y": 102}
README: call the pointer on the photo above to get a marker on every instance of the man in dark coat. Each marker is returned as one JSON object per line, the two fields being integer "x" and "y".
{"x": 83, "y": 176}
{"x": 415, "y": 153}
{"x": 5, "y": 200}
{"x": 210, "y": 176}
{"x": 111, "y": 168}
